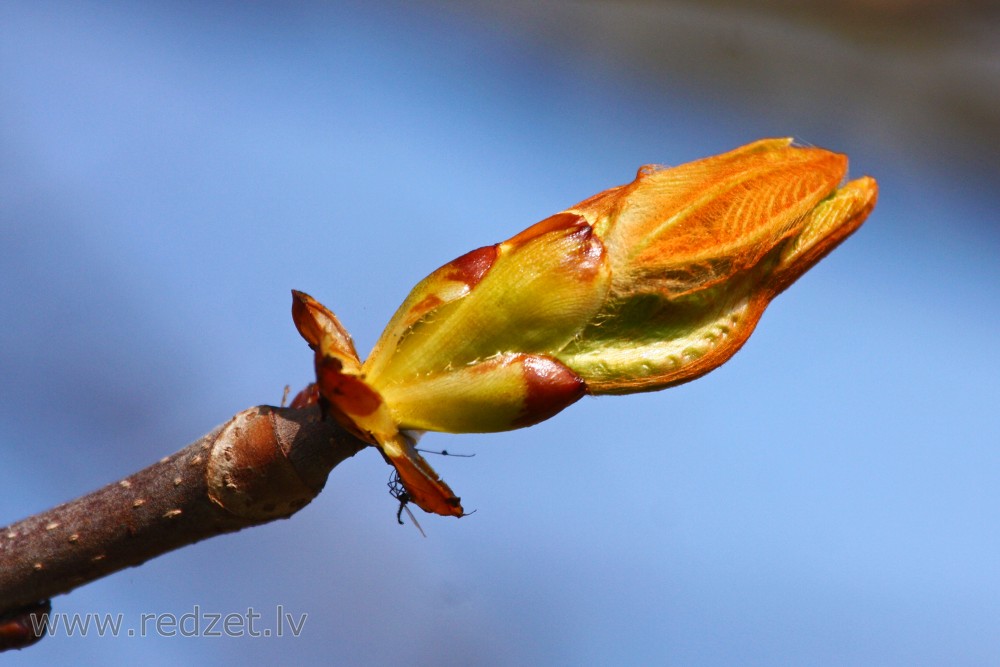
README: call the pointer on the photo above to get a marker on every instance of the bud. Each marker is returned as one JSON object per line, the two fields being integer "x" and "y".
{"x": 638, "y": 288}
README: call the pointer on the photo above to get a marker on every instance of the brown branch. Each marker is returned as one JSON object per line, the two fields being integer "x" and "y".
{"x": 264, "y": 464}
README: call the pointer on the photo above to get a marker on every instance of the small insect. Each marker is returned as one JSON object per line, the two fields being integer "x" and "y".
{"x": 445, "y": 452}
{"x": 398, "y": 491}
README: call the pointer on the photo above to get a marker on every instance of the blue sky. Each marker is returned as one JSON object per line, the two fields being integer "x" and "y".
{"x": 168, "y": 172}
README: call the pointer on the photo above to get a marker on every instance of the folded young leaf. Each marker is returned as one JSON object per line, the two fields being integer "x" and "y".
{"x": 539, "y": 292}
{"x": 495, "y": 394}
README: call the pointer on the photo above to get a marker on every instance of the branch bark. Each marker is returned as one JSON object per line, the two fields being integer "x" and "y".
{"x": 264, "y": 464}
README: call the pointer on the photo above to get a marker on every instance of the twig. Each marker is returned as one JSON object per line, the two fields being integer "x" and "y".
{"x": 264, "y": 464}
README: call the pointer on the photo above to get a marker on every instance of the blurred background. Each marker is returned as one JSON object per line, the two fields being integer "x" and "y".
{"x": 169, "y": 171}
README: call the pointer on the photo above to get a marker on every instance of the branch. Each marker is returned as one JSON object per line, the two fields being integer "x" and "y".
{"x": 264, "y": 464}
